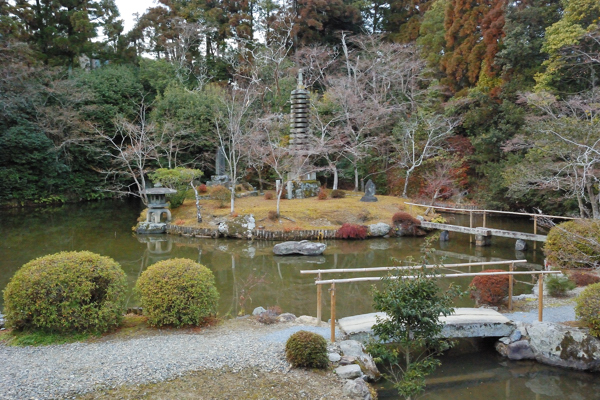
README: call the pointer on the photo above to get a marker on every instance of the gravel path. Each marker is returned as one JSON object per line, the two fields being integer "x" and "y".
{"x": 67, "y": 370}
{"x": 551, "y": 314}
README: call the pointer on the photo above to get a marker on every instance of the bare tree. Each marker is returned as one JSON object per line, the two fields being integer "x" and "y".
{"x": 131, "y": 147}
{"x": 419, "y": 138}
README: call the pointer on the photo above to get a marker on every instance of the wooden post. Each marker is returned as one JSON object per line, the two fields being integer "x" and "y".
{"x": 319, "y": 291}
{"x": 510, "y": 287}
{"x": 484, "y": 215}
{"x": 332, "y": 290}
{"x": 470, "y": 225}
{"x": 535, "y": 231}
{"x": 541, "y": 297}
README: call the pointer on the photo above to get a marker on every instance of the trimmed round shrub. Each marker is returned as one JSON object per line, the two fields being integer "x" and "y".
{"x": 322, "y": 194}
{"x": 269, "y": 195}
{"x": 307, "y": 349}
{"x": 558, "y": 286}
{"x": 66, "y": 292}
{"x": 588, "y": 308}
{"x": 177, "y": 292}
{"x": 489, "y": 289}
{"x": 202, "y": 188}
{"x": 272, "y": 215}
{"x": 221, "y": 193}
{"x": 338, "y": 194}
{"x": 574, "y": 244}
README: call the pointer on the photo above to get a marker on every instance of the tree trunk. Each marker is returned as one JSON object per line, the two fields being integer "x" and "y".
{"x": 198, "y": 213}
{"x": 232, "y": 197}
{"x": 408, "y": 171}
{"x": 593, "y": 201}
{"x": 356, "y": 178}
{"x": 335, "y": 177}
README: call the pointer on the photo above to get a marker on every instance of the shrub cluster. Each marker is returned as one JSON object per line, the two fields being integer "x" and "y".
{"x": 269, "y": 196}
{"x": 202, "y": 188}
{"x": 307, "y": 349}
{"x": 322, "y": 194}
{"x": 272, "y": 215}
{"x": 402, "y": 217}
{"x": 352, "y": 231}
{"x": 338, "y": 194}
{"x": 489, "y": 289}
{"x": 177, "y": 292}
{"x": 558, "y": 286}
{"x": 574, "y": 244}
{"x": 588, "y": 308}
{"x": 582, "y": 278}
{"x": 269, "y": 317}
{"x": 220, "y": 193}
{"x": 66, "y": 292}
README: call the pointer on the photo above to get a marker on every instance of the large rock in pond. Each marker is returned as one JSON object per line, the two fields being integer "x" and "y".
{"x": 239, "y": 227}
{"x": 303, "y": 247}
{"x": 378, "y": 230}
{"x": 146, "y": 228}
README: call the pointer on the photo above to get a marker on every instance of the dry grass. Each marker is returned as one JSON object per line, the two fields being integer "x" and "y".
{"x": 296, "y": 214}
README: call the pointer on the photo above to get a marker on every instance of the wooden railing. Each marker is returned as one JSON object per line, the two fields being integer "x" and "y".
{"x": 319, "y": 282}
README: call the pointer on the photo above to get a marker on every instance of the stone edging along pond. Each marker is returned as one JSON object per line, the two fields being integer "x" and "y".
{"x": 254, "y": 234}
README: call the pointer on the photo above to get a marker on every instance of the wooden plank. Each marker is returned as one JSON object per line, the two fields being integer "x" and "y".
{"x": 484, "y": 231}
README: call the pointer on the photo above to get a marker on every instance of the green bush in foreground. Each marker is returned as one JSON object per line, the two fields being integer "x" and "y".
{"x": 588, "y": 308}
{"x": 307, "y": 349}
{"x": 177, "y": 292}
{"x": 66, "y": 292}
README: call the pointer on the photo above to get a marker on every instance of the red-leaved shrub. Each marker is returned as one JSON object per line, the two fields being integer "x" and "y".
{"x": 403, "y": 217}
{"x": 272, "y": 215}
{"x": 352, "y": 231}
{"x": 582, "y": 278}
{"x": 269, "y": 196}
{"x": 489, "y": 289}
{"x": 202, "y": 188}
{"x": 322, "y": 195}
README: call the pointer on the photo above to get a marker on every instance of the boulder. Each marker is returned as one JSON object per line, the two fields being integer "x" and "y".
{"x": 564, "y": 346}
{"x": 240, "y": 227}
{"x": 1, "y": 321}
{"x": 354, "y": 349}
{"x": 444, "y": 236}
{"x": 520, "y": 245}
{"x": 307, "y": 320}
{"x": 357, "y": 389}
{"x": 334, "y": 357}
{"x": 351, "y": 348}
{"x": 258, "y": 311}
{"x": 286, "y": 317}
{"x": 379, "y": 230}
{"x": 349, "y": 371}
{"x": 519, "y": 350}
{"x": 303, "y": 247}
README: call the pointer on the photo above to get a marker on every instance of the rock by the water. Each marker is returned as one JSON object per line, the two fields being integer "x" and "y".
{"x": 144, "y": 228}
{"x": 369, "y": 193}
{"x": 354, "y": 349}
{"x": 357, "y": 389}
{"x": 334, "y": 357}
{"x": 378, "y": 230}
{"x": 520, "y": 245}
{"x": 258, "y": 311}
{"x": 349, "y": 371}
{"x": 240, "y": 227}
{"x": 351, "y": 348}
{"x": 444, "y": 236}
{"x": 307, "y": 320}
{"x": 519, "y": 350}
{"x": 303, "y": 247}
{"x": 564, "y": 346}
{"x": 516, "y": 336}
{"x": 286, "y": 317}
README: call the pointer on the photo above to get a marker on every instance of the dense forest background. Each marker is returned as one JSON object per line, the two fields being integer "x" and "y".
{"x": 489, "y": 101}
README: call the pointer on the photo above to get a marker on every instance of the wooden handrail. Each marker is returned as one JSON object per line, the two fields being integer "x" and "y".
{"x": 491, "y": 211}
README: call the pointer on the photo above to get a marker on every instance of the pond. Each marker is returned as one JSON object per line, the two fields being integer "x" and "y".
{"x": 249, "y": 275}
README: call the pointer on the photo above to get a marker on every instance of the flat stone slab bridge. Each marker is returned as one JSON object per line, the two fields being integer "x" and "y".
{"x": 464, "y": 323}
{"x": 486, "y": 232}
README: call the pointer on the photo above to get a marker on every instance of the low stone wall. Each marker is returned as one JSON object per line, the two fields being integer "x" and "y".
{"x": 258, "y": 234}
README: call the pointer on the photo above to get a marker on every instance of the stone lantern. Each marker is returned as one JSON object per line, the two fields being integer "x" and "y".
{"x": 157, "y": 203}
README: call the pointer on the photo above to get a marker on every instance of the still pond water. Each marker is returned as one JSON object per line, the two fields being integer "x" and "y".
{"x": 248, "y": 275}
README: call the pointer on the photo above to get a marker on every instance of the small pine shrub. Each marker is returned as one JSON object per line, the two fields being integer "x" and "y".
{"x": 491, "y": 289}
{"x": 269, "y": 196}
{"x": 588, "y": 308}
{"x": 322, "y": 195}
{"x": 582, "y": 278}
{"x": 220, "y": 193}
{"x": 202, "y": 188}
{"x": 352, "y": 231}
{"x": 307, "y": 349}
{"x": 239, "y": 188}
{"x": 66, "y": 292}
{"x": 558, "y": 286}
{"x": 177, "y": 292}
{"x": 338, "y": 194}
{"x": 574, "y": 244}
{"x": 272, "y": 215}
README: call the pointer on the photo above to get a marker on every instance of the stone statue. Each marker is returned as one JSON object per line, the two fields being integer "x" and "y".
{"x": 369, "y": 192}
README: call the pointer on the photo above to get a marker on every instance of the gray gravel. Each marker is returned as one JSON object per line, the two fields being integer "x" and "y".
{"x": 550, "y": 314}
{"x": 67, "y": 370}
